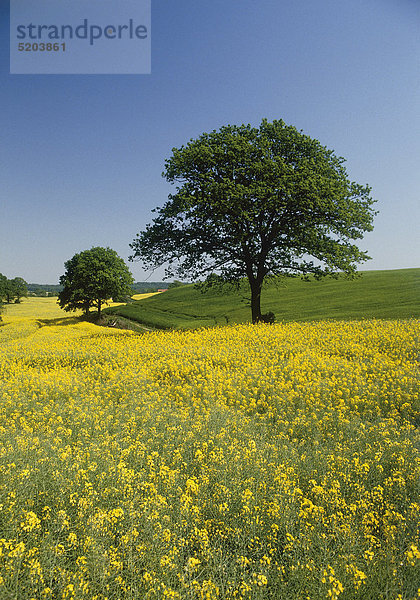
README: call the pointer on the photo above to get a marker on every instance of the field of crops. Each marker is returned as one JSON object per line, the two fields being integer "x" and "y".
{"x": 244, "y": 462}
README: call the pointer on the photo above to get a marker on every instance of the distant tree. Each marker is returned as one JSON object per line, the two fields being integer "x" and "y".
{"x": 10, "y": 292}
{"x": 48, "y": 289}
{"x": 19, "y": 288}
{"x": 12, "y": 288}
{"x": 144, "y": 287}
{"x": 3, "y": 280}
{"x": 253, "y": 203}
{"x": 175, "y": 284}
{"x": 3, "y": 286}
{"x": 92, "y": 277}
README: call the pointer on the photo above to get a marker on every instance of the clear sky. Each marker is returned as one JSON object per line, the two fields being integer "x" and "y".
{"x": 81, "y": 156}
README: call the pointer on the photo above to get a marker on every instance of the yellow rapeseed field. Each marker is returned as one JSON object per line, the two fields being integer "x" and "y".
{"x": 244, "y": 462}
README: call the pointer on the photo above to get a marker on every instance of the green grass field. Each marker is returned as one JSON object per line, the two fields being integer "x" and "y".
{"x": 376, "y": 294}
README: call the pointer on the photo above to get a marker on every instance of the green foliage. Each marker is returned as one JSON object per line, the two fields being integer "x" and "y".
{"x": 19, "y": 288}
{"x": 12, "y": 289}
{"x": 3, "y": 284}
{"x": 3, "y": 281}
{"x": 376, "y": 294}
{"x": 92, "y": 277}
{"x": 147, "y": 287}
{"x": 44, "y": 290}
{"x": 254, "y": 202}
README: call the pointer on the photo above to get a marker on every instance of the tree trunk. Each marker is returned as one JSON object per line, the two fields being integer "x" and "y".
{"x": 256, "y": 287}
{"x": 99, "y": 307}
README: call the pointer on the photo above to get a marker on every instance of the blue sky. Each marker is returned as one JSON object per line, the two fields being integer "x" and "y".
{"x": 81, "y": 156}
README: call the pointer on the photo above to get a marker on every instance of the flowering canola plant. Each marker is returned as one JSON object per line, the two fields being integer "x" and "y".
{"x": 267, "y": 461}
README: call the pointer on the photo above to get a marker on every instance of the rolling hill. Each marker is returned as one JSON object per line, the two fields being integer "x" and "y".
{"x": 375, "y": 294}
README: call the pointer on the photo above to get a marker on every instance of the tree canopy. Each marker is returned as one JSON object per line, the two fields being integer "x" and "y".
{"x": 3, "y": 281}
{"x": 3, "y": 285}
{"x": 92, "y": 277}
{"x": 256, "y": 202}
{"x": 18, "y": 288}
{"x": 11, "y": 289}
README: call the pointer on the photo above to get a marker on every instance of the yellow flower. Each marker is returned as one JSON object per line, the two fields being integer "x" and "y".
{"x": 413, "y": 555}
{"x": 30, "y": 522}
{"x": 193, "y": 563}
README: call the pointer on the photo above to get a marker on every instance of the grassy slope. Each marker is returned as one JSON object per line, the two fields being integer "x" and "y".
{"x": 377, "y": 294}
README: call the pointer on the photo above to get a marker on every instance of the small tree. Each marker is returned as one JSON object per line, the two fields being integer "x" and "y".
{"x": 256, "y": 202}
{"x": 10, "y": 291}
{"x": 3, "y": 286}
{"x": 3, "y": 280}
{"x": 19, "y": 288}
{"x": 12, "y": 288}
{"x": 92, "y": 277}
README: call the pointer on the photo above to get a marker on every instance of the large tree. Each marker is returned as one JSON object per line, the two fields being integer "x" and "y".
{"x": 254, "y": 202}
{"x": 92, "y": 277}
